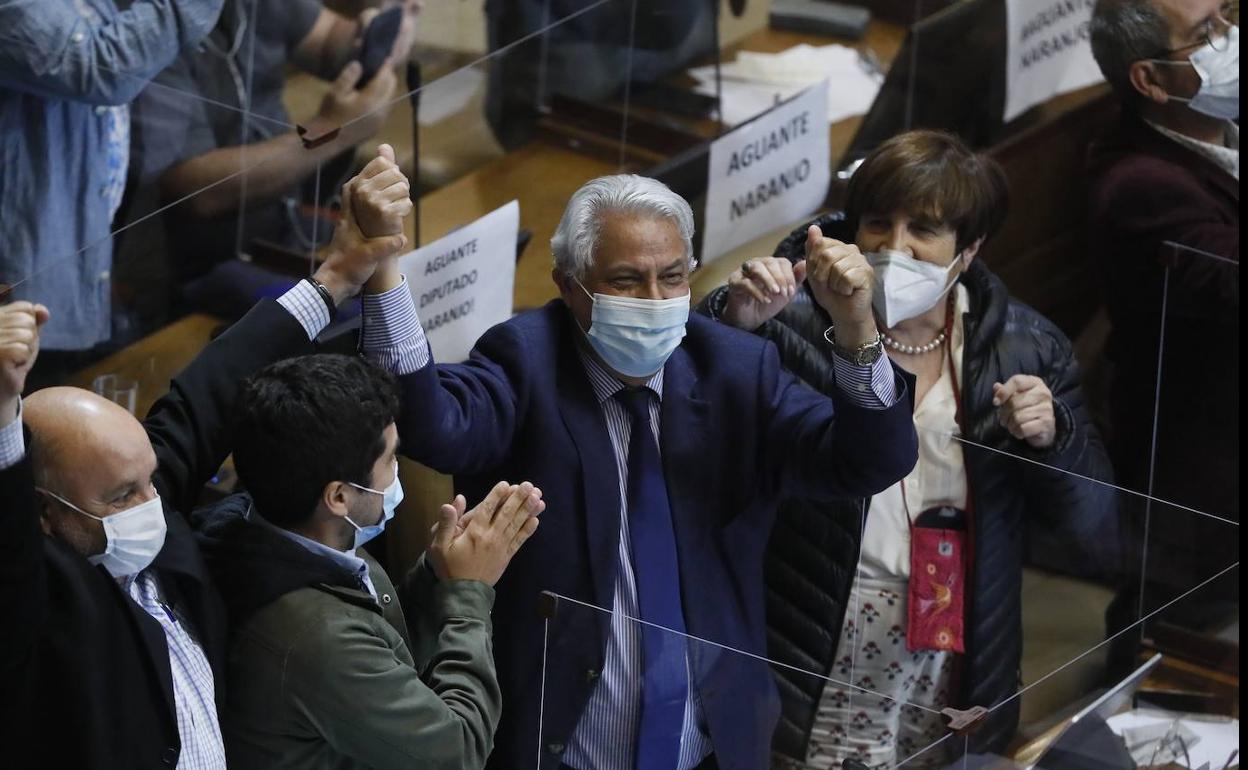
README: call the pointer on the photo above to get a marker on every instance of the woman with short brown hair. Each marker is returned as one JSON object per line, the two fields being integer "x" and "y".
{"x": 987, "y": 369}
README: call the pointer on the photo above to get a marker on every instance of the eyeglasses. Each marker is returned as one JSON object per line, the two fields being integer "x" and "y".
{"x": 1216, "y": 33}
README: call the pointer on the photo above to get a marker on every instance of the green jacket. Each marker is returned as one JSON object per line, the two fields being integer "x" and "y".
{"x": 321, "y": 675}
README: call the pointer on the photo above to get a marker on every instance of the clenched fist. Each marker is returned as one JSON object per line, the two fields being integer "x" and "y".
{"x": 380, "y": 196}
{"x": 374, "y": 204}
{"x": 1025, "y": 408}
{"x": 842, "y": 282}
{"x": 19, "y": 347}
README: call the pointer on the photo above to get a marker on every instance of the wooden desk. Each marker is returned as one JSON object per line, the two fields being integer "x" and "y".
{"x": 155, "y": 359}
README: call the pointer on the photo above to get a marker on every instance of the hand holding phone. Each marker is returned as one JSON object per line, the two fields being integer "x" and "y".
{"x": 378, "y": 41}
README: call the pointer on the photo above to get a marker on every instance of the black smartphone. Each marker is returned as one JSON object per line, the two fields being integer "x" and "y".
{"x": 378, "y": 41}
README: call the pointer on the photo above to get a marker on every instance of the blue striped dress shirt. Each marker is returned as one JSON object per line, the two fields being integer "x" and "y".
{"x": 605, "y": 738}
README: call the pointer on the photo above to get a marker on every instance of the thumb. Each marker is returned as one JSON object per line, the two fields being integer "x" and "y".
{"x": 799, "y": 272}
{"x": 813, "y": 236}
{"x": 349, "y": 76}
{"x": 444, "y": 531}
{"x": 1025, "y": 382}
{"x": 386, "y": 151}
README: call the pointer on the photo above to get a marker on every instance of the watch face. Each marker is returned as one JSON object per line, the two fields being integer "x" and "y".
{"x": 870, "y": 353}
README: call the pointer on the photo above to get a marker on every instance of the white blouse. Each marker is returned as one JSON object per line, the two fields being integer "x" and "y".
{"x": 938, "y": 478}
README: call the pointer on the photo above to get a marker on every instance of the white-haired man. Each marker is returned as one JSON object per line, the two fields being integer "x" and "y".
{"x": 663, "y": 443}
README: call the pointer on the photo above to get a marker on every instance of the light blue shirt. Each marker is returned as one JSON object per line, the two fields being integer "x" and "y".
{"x": 65, "y": 66}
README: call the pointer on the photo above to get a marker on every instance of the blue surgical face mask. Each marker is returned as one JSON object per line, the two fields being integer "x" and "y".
{"x": 134, "y": 536}
{"x": 391, "y": 497}
{"x": 635, "y": 337}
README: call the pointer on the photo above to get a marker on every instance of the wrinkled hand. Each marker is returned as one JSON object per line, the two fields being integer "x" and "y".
{"x": 19, "y": 347}
{"x": 358, "y": 114}
{"x": 374, "y": 203}
{"x": 842, "y": 282}
{"x": 479, "y": 544}
{"x": 760, "y": 289}
{"x": 1025, "y": 408}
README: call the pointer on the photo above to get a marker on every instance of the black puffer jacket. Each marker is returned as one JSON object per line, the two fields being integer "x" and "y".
{"x": 814, "y": 549}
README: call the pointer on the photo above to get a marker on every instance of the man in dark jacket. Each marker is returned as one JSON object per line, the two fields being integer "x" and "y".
{"x": 113, "y": 649}
{"x": 1014, "y": 399}
{"x": 1168, "y": 173}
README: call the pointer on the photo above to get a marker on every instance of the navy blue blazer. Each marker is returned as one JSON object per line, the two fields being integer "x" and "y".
{"x": 738, "y": 434}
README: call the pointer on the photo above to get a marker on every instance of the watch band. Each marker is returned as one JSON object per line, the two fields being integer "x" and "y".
{"x": 323, "y": 290}
{"x": 865, "y": 354}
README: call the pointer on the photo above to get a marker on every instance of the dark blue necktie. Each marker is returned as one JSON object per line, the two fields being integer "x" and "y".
{"x": 665, "y": 680}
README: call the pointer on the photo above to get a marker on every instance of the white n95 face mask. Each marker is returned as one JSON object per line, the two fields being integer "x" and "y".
{"x": 906, "y": 287}
{"x": 1218, "y": 96}
{"x": 635, "y": 337}
{"x": 134, "y": 536}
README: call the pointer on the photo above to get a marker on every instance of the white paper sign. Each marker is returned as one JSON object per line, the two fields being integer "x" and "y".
{"x": 1049, "y": 51}
{"x": 462, "y": 283}
{"x": 771, "y": 172}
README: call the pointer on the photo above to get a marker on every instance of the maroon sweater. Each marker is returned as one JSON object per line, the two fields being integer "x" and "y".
{"x": 1147, "y": 189}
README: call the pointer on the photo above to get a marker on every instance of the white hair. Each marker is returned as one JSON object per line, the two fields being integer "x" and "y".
{"x": 577, "y": 235}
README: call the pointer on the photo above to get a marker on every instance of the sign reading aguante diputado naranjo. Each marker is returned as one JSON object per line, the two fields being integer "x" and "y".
{"x": 462, "y": 283}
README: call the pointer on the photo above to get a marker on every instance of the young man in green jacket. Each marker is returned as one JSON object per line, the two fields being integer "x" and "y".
{"x": 323, "y": 670}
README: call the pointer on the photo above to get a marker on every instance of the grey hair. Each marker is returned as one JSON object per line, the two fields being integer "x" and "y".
{"x": 1124, "y": 32}
{"x": 577, "y": 235}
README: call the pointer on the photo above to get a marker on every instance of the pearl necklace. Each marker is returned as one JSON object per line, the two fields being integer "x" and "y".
{"x": 915, "y": 350}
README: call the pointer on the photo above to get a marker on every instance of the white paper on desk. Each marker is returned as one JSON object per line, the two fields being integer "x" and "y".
{"x": 462, "y": 283}
{"x": 1048, "y": 51}
{"x": 756, "y": 82}
{"x": 1217, "y": 738}
{"x": 766, "y": 174}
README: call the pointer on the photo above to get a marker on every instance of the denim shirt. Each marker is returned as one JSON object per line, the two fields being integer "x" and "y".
{"x": 64, "y": 66}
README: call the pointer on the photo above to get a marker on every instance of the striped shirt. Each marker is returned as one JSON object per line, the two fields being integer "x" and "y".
{"x": 392, "y": 336}
{"x": 194, "y": 695}
{"x": 606, "y": 737}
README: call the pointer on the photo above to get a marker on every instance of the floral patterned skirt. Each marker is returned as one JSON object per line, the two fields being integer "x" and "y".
{"x": 895, "y": 714}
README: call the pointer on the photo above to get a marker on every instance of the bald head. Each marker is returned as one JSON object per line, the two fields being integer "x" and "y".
{"x": 88, "y": 449}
